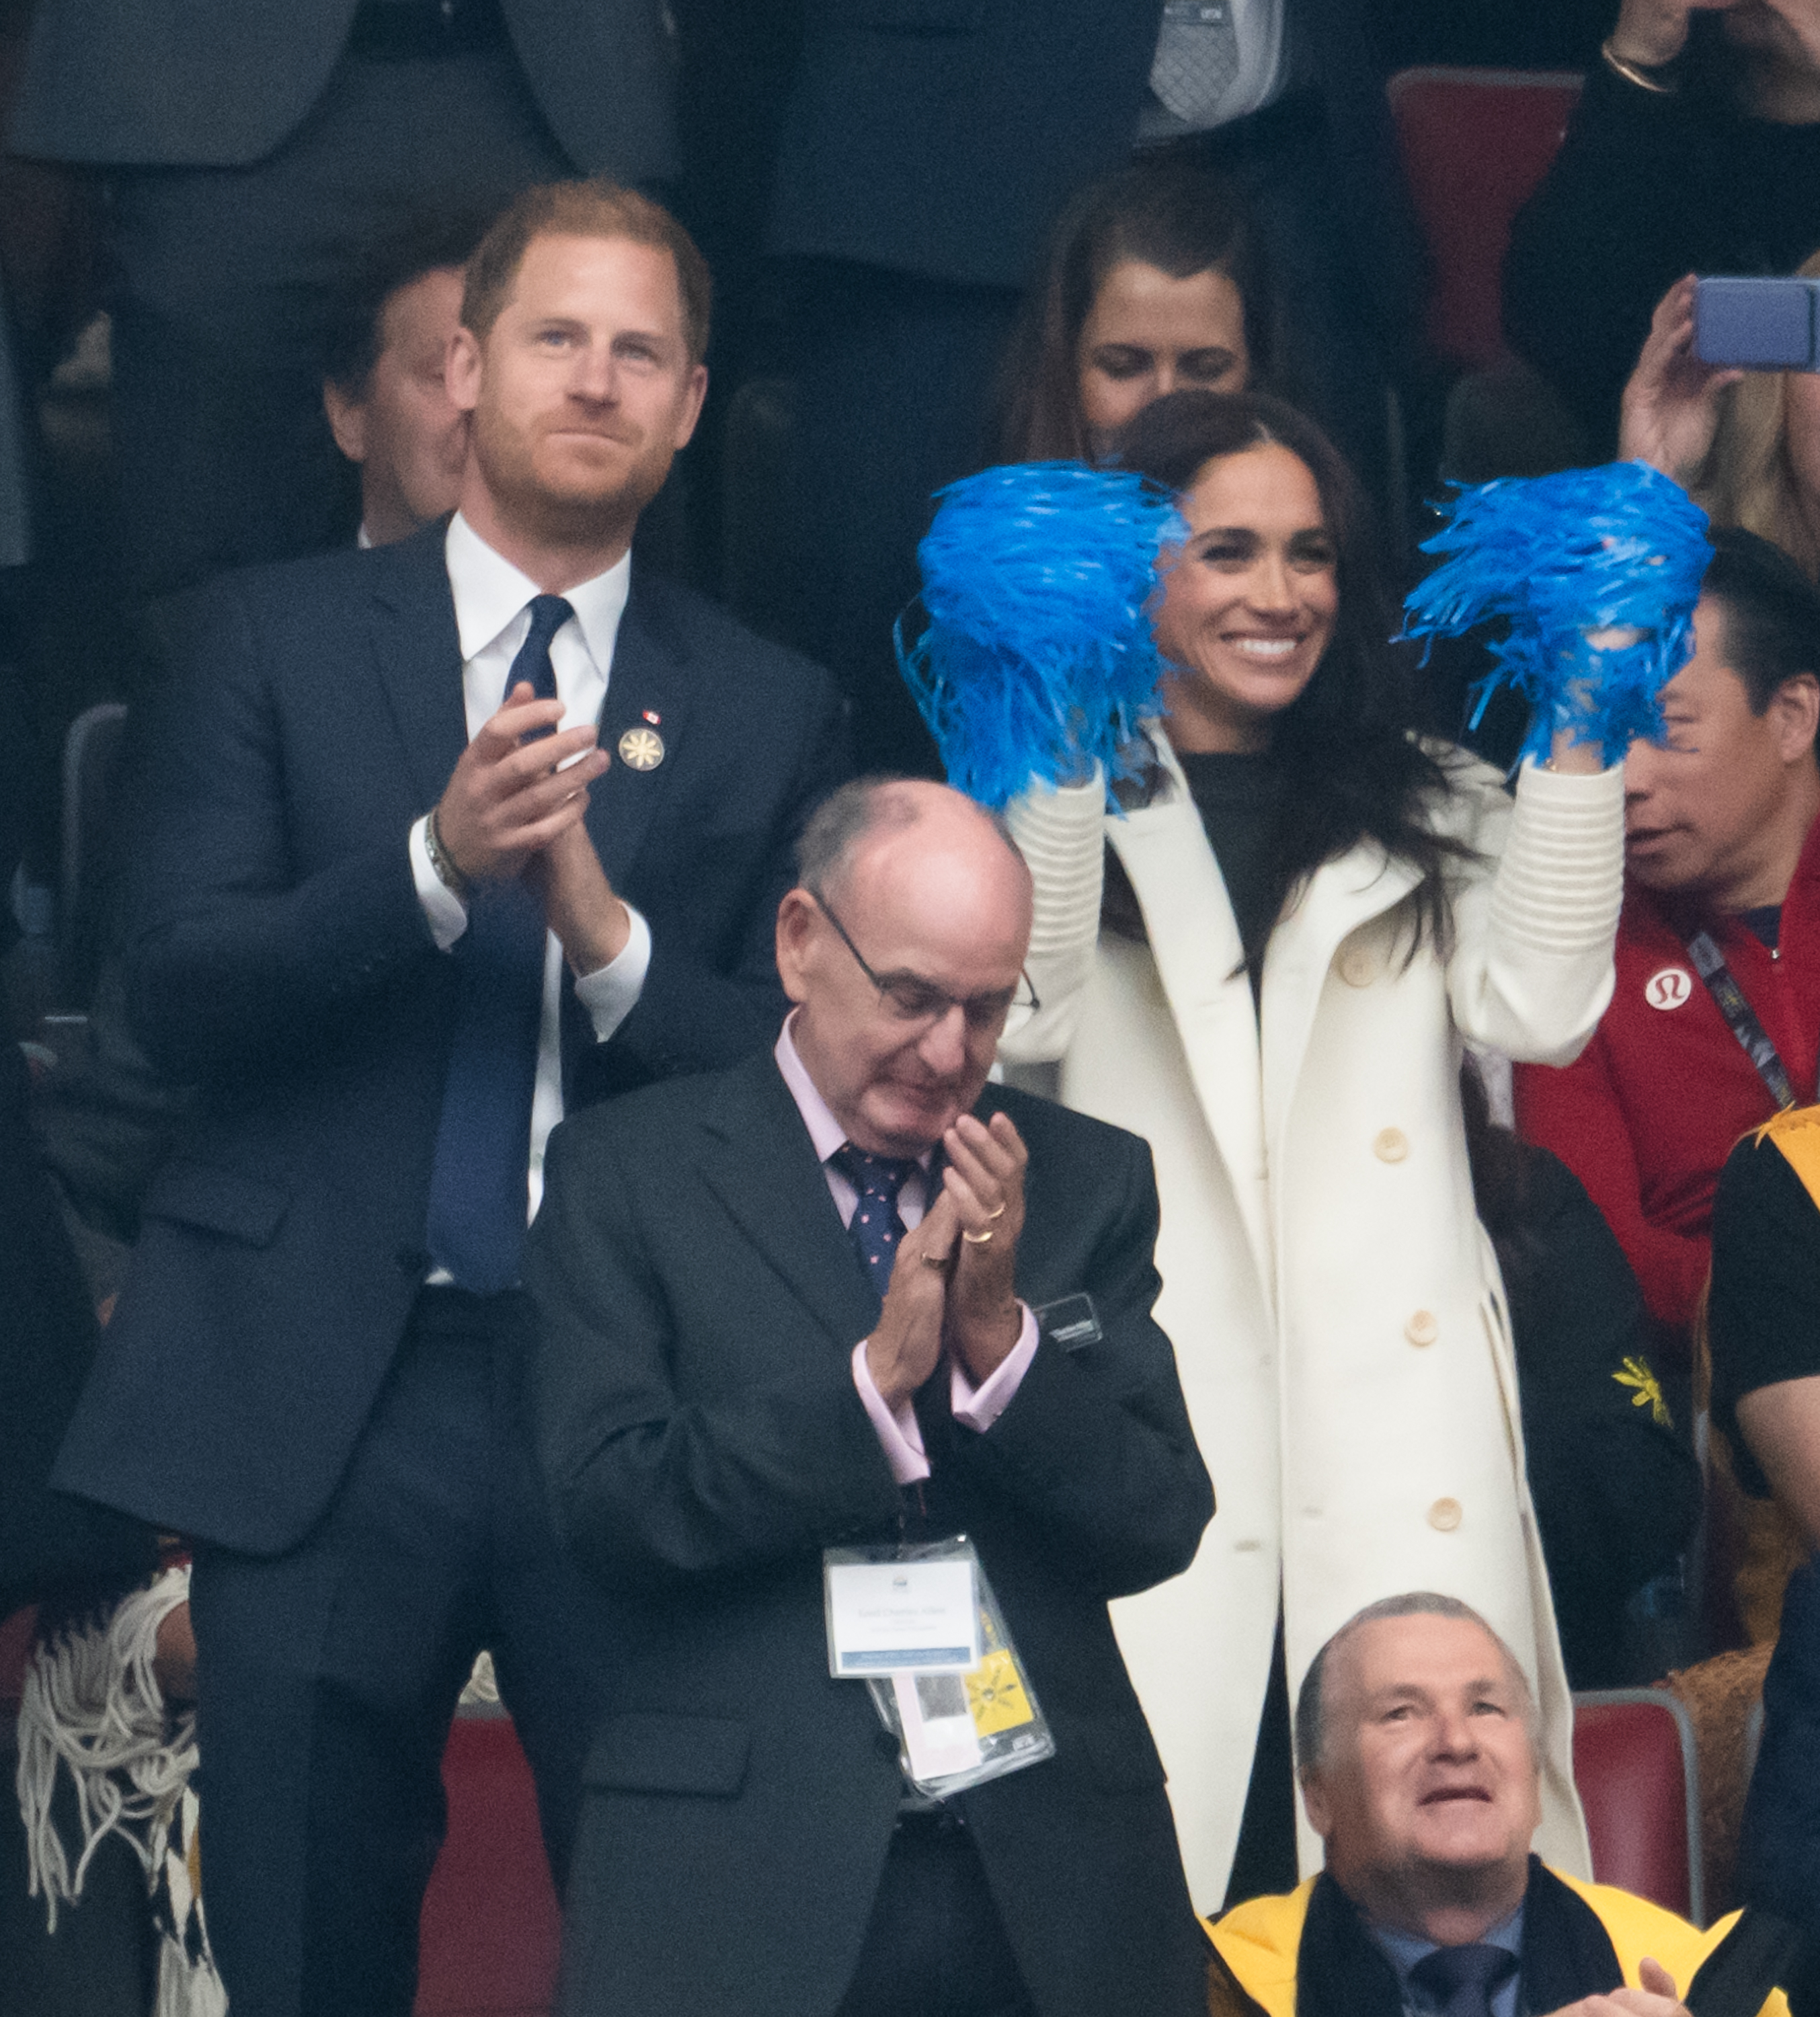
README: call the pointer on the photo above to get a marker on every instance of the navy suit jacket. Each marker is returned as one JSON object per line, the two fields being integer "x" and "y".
{"x": 278, "y": 958}
{"x": 221, "y": 83}
{"x": 703, "y": 1441}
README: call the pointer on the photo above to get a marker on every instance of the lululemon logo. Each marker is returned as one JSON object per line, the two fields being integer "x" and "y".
{"x": 1668, "y": 989}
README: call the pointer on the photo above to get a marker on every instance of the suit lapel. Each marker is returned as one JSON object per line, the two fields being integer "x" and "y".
{"x": 649, "y": 689}
{"x": 759, "y": 1161}
{"x": 1194, "y": 940}
{"x": 417, "y": 656}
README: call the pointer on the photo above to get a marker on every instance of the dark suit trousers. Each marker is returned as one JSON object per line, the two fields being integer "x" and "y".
{"x": 221, "y": 277}
{"x": 894, "y": 377}
{"x": 328, "y": 1676}
{"x": 934, "y": 1946}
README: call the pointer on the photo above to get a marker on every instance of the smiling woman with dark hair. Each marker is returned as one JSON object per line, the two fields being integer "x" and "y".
{"x": 1267, "y": 961}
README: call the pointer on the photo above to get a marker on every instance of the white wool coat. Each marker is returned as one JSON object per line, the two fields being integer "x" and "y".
{"x": 1335, "y": 1306}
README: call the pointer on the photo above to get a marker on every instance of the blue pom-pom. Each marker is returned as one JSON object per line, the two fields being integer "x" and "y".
{"x": 1038, "y": 659}
{"x": 1621, "y": 548}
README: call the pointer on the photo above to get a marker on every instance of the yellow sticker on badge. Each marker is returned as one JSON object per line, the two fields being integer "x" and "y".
{"x": 995, "y": 1696}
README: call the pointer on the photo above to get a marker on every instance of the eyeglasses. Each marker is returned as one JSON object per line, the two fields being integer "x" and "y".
{"x": 911, "y": 999}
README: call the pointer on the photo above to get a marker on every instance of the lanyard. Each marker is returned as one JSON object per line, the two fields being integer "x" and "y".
{"x": 1709, "y": 962}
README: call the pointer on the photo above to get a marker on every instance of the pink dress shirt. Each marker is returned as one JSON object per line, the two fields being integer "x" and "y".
{"x": 976, "y": 1408}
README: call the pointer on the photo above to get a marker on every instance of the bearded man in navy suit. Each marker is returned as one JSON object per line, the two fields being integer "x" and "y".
{"x": 434, "y": 840}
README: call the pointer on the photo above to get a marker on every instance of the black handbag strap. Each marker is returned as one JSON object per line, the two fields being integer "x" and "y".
{"x": 1710, "y": 964}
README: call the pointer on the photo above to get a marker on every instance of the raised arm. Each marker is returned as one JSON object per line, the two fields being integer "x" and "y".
{"x": 1062, "y": 833}
{"x": 1529, "y": 972}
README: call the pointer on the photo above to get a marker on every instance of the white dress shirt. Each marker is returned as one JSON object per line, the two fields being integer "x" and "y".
{"x": 976, "y": 1408}
{"x": 1257, "y": 78}
{"x": 492, "y": 603}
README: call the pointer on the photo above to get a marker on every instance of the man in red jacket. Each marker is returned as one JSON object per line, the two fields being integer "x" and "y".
{"x": 1715, "y": 1017}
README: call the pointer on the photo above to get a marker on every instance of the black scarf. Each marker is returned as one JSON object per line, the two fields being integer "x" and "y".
{"x": 1341, "y": 1971}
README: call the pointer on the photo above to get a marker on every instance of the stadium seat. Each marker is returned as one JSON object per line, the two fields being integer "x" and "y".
{"x": 491, "y": 1927}
{"x": 1474, "y": 144}
{"x": 1634, "y": 1763}
{"x": 16, "y": 1633}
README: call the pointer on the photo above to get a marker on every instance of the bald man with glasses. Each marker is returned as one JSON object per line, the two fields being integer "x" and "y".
{"x": 850, "y": 1296}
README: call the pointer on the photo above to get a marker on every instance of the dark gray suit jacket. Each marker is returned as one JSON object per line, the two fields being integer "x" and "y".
{"x": 221, "y": 83}
{"x": 941, "y": 137}
{"x": 703, "y": 1441}
{"x": 278, "y": 959}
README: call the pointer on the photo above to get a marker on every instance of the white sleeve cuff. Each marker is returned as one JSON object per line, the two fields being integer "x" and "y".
{"x": 444, "y": 912}
{"x": 611, "y": 993}
{"x": 900, "y": 1436}
{"x": 979, "y": 1407}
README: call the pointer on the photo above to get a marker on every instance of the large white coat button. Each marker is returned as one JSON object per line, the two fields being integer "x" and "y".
{"x": 1446, "y": 1514}
{"x": 1391, "y": 1146}
{"x": 1422, "y": 1328}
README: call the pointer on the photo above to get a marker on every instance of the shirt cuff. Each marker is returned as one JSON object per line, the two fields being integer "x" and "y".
{"x": 611, "y": 993}
{"x": 900, "y": 1436}
{"x": 979, "y": 1407}
{"x": 444, "y": 912}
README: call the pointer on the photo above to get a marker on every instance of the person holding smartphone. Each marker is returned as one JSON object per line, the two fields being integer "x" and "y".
{"x": 1696, "y": 144}
{"x": 1745, "y": 444}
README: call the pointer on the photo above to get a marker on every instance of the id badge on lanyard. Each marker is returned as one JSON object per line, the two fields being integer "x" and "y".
{"x": 920, "y": 1626}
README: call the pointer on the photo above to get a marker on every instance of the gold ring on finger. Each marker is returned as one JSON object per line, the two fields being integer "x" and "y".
{"x": 978, "y": 1238}
{"x": 999, "y": 1213}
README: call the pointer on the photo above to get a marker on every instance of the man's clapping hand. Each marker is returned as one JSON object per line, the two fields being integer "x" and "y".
{"x": 906, "y": 1347}
{"x": 984, "y": 1179}
{"x": 950, "y": 1291}
{"x": 508, "y": 799}
{"x": 511, "y": 809}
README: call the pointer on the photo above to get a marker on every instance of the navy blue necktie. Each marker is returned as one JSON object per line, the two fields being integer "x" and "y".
{"x": 478, "y": 1199}
{"x": 1460, "y": 1981}
{"x": 875, "y": 1229}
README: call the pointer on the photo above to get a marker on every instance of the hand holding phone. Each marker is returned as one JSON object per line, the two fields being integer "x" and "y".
{"x": 1670, "y": 411}
{"x": 1757, "y": 325}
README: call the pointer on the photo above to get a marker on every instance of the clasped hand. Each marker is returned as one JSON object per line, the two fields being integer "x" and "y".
{"x": 1657, "y": 1997}
{"x": 1654, "y": 32}
{"x": 952, "y": 1294}
{"x": 513, "y": 808}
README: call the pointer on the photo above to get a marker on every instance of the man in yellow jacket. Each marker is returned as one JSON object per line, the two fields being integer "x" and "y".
{"x": 1414, "y": 1746}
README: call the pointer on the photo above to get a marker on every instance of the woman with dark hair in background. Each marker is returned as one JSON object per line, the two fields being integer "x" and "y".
{"x": 1153, "y": 284}
{"x": 1268, "y": 963}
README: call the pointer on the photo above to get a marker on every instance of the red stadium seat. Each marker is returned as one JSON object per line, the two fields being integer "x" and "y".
{"x": 1634, "y": 1764}
{"x": 16, "y": 1633}
{"x": 491, "y": 1928}
{"x": 1474, "y": 143}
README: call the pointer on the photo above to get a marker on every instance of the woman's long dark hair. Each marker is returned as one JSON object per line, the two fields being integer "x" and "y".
{"x": 1176, "y": 215}
{"x": 1353, "y": 770}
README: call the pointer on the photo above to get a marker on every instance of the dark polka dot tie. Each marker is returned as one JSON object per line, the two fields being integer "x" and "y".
{"x": 1460, "y": 1981}
{"x": 875, "y": 1230}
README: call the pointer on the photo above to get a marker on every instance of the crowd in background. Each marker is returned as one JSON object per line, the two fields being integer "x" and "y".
{"x": 234, "y": 252}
